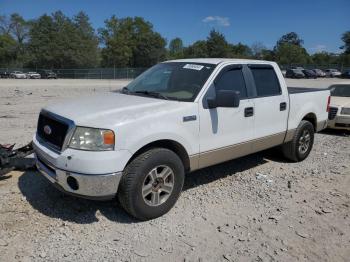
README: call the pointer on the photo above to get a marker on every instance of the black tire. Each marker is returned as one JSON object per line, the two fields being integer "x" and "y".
{"x": 293, "y": 149}
{"x": 132, "y": 183}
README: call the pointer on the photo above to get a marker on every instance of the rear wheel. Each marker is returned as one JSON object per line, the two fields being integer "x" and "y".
{"x": 151, "y": 183}
{"x": 299, "y": 148}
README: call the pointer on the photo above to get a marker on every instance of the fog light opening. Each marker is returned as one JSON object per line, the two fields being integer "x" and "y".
{"x": 73, "y": 183}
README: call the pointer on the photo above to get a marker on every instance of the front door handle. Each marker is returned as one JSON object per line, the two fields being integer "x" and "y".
{"x": 283, "y": 106}
{"x": 248, "y": 111}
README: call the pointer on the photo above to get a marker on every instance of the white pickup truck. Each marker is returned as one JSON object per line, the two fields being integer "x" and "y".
{"x": 179, "y": 116}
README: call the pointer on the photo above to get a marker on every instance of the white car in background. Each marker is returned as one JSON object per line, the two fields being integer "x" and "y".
{"x": 33, "y": 75}
{"x": 18, "y": 75}
{"x": 339, "y": 111}
{"x": 332, "y": 72}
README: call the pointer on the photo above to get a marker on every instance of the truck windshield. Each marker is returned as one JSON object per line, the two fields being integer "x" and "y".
{"x": 173, "y": 80}
{"x": 340, "y": 90}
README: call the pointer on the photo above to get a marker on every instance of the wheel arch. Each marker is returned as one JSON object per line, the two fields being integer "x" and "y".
{"x": 172, "y": 145}
{"x": 311, "y": 117}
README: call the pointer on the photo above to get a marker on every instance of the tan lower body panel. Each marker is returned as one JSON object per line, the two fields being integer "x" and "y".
{"x": 223, "y": 154}
{"x": 289, "y": 135}
{"x": 321, "y": 125}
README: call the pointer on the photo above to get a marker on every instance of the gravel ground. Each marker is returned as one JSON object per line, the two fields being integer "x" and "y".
{"x": 256, "y": 208}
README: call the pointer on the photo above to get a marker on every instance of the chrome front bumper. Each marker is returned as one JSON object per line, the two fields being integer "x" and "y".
{"x": 97, "y": 187}
{"x": 340, "y": 122}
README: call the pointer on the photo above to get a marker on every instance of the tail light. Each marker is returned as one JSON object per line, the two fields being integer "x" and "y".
{"x": 328, "y": 103}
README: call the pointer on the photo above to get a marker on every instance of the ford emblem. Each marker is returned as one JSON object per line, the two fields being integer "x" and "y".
{"x": 47, "y": 130}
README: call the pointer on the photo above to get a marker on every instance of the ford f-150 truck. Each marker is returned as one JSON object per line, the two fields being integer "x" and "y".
{"x": 179, "y": 116}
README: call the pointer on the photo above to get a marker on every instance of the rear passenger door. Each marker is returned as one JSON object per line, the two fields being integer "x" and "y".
{"x": 270, "y": 107}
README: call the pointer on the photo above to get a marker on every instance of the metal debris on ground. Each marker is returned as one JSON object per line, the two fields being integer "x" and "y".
{"x": 11, "y": 159}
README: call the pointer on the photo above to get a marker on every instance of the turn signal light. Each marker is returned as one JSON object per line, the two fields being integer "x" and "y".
{"x": 108, "y": 137}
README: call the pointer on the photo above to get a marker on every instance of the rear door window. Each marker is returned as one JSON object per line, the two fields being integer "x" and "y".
{"x": 266, "y": 81}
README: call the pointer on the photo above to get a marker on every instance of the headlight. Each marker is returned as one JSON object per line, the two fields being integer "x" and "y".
{"x": 345, "y": 111}
{"x": 92, "y": 139}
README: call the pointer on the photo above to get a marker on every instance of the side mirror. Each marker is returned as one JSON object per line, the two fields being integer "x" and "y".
{"x": 224, "y": 98}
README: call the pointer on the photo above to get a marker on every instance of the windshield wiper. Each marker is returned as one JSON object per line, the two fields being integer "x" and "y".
{"x": 151, "y": 93}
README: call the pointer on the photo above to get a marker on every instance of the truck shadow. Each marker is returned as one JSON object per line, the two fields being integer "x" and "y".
{"x": 335, "y": 132}
{"x": 51, "y": 202}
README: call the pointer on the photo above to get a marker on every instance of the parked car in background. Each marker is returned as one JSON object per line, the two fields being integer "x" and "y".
{"x": 4, "y": 75}
{"x": 345, "y": 74}
{"x": 297, "y": 67}
{"x": 332, "y": 72}
{"x": 33, "y": 75}
{"x": 309, "y": 73}
{"x": 18, "y": 75}
{"x": 319, "y": 72}
{"x": 339, "y": 110}
{"x": 48, "y": 74}
{"x": 294, "y": 73}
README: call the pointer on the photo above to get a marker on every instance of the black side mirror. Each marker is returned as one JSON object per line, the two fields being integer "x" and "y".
{"x": 224, "y": 98}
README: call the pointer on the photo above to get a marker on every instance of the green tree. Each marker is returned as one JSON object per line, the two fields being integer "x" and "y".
{"x": 176, "y": 48}
{"x": 217, "y": 45}
{"x": 324, "y": 58}
{"x": 257, "y": 50}
{"x": 117, "y": 50}
{"x": 57, "y": 41}
{"x": 240, "y": 51}
{"x": 289, "y": 50}
{"x": 7, "y": 49}
{"x": 268, "y": 55}
{"x": 87, "y": 42}
{"x": 197, "y": 49}
{"x": 131, "y": 42}
{"x": 346, "y": 39}
{"x": 19, "y": 28}
{"x": 291, "y": 54}
{"x": 290, "y": 38}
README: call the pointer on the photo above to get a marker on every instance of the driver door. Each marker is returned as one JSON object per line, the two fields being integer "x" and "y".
{"x": 226, "y": 132}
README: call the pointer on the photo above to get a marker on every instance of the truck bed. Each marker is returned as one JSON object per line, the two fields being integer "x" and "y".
{"x": 296, "y": 90}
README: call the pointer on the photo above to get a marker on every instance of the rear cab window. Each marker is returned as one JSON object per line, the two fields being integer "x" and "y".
{"x": 266, "y": 81}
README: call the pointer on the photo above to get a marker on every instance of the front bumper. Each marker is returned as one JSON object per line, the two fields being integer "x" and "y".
{"x": 340, "y": 122}
{"x": 92, "y": 175}
{"x": 97, "y": 187}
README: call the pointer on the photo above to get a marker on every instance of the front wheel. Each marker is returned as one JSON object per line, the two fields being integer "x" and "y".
{"x": 299, "y": 148}
{"x": 151, "y": 183}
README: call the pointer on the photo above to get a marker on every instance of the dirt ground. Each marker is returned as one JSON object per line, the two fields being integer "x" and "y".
{"x": 256, "y": 208}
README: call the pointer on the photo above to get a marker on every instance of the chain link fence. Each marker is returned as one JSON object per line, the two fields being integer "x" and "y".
{"x": 341, "y": 68}
{"x": 91, "y": 73}
{"x": 130, "y": 73}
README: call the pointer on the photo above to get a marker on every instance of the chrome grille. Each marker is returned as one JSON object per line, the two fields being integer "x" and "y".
{"x": 57, "y": 130}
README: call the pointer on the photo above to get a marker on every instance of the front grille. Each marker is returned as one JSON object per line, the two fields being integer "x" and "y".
{"x": 345, "y": 111}
{"x": 58, "y": 130}
{"x": 332, "y": 113}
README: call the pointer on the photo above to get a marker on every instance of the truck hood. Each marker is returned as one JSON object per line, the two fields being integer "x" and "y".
{"x": 340, "y": 101}
{"x": 110, "y": 109}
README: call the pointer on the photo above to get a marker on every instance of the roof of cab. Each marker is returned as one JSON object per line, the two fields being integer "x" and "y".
{"x": 217, "y": 61}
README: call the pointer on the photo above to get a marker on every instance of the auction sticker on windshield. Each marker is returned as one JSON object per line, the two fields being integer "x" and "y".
{"x": 193, "y": 67}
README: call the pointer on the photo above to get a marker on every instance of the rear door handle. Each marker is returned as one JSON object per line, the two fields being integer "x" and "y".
{"x": 283, "y": 106}
{"x": 248, "y": 111}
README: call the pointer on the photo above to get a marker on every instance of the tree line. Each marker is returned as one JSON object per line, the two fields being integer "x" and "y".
{"x": 59, "y": 41}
